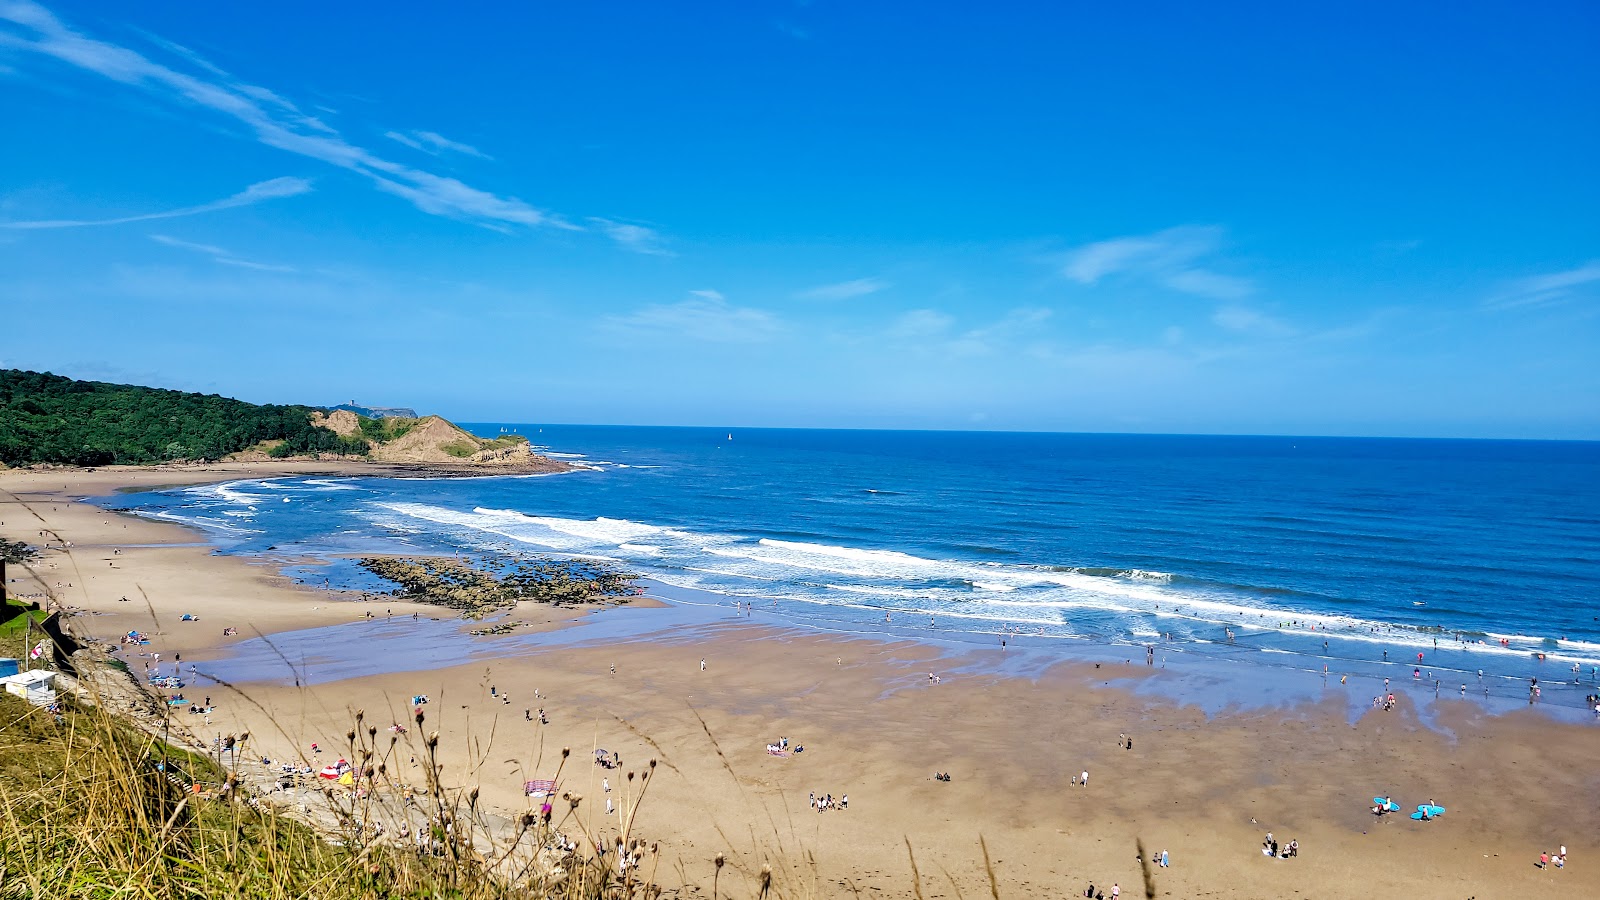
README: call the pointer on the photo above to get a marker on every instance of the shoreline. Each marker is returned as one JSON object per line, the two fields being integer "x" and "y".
{"x": 876, "y": 728}
{"x": 1216, "y": 682}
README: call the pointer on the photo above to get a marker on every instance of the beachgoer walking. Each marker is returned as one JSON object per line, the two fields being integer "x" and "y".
{"x": 702, "y": 664}
{"x": 1163, "y": 859}
{"x": 1116, "y": 891}
{"x": 1084, "y": 778}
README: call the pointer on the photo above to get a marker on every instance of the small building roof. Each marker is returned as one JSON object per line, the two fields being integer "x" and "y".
{"x": 34, "y": 676}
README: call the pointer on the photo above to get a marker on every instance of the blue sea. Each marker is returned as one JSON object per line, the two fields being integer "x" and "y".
{"x": 1312, "y": 552}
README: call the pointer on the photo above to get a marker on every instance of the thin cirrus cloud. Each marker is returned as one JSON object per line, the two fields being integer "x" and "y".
{"x": 1543, "y": 290}
{"x": 703, "y": 318}
{"x": 637, "y": 238}
{"x": 921, "y": 323}
{"x": 217, "y": 254}
{"x": 272, "y": 189}
{"x": 1173, "y": 258}
{"x": 1243, "y": 319}
{"x": 27, "y": 26}
{"x": 844, "y": 290}
{"x": 434, "y": 143}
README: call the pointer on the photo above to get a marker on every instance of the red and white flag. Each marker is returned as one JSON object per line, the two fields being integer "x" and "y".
{"x": 38, "y": 649}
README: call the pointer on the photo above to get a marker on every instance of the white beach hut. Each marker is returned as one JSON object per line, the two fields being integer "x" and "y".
{"x": 37, "y": 686}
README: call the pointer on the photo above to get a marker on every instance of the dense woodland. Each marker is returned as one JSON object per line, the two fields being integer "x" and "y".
{"x": 46, "y": 418}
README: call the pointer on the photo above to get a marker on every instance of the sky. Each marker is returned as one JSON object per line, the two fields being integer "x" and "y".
{"x": 1258, "y": 218}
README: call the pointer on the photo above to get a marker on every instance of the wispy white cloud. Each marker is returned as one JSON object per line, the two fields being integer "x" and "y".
{"x": 637, "y": 238}
{"x": 703, "y": 319}
{"x": 272, "y": 189}
{"x": 708, "y": 294}
{"x": 218, "y": 254}
{"x": 272, "y": 120}
{"x": 932, "y": 329}
{"x": 1172, "y": 258}
{"x": 1015, "y": 327}
{"x": 921, "y": 323}
{"x": 844, "y": 290}
{"x": 1542, "y": 290}
{"x": 1243, "y": 319}
{"x": 432, "y": 142}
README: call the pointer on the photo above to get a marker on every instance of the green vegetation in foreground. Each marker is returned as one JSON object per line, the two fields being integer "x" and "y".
{"x": 15, "y": 621}
{"x": 93, "y": 809}
{"x": 478, "y": 590}
{"x": 46, "y": 418}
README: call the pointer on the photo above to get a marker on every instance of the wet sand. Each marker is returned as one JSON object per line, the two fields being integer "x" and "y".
{"x": 1204, "y": 785}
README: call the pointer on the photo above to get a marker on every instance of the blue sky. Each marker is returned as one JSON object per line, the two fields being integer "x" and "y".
{"x": 1251, "y": 218}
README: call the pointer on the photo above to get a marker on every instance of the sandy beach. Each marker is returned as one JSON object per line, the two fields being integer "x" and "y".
{"x": 874, "y": 727}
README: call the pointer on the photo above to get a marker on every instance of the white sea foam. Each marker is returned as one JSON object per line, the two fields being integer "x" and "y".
{"x": 229, "y": 491}
{"x": 328, "y": 484}
{"x": 1059, "y": 598}
{"x": 994, "y": 586}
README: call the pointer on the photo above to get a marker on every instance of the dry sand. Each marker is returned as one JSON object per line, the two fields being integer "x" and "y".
{"x": 1204, "y": 789}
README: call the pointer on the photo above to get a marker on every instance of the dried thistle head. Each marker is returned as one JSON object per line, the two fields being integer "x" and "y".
{"x": 350, "y": 735}
{"x": 566, "y": 752}
{"x": 652, "y": 764}
{"x": 433, "y": 739}
{"x": 372, "y": 732}
{"x": 630, "y": 776}
{"x": 360, "y": 714}
{"x": 472, "y": 797}
{"x": 574, "y": 800}
{"x": 420, "y": 717}
{"x": 720, "y": 861}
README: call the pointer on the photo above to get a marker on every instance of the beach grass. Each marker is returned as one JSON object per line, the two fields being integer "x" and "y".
{"x": 92, "y": 807}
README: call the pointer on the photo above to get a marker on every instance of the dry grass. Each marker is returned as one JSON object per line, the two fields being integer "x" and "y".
{"x": 93, "y": 808}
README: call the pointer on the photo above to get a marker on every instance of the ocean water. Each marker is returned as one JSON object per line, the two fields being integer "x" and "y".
{"x": 1311, "y": 551}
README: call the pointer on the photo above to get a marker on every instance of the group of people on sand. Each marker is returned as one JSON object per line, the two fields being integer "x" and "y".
{"x": 1384, "y": 702}
{"x": 1271, "y": 847}
{"x": 1116, "y": 892}
{"x": 826, "y": 802}
{"x": 1559, "y": 859}
{"x": 780, "y": 747}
